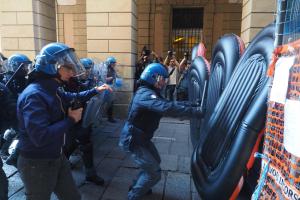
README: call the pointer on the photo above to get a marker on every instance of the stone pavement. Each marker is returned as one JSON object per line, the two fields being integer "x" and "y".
{"x": 172, "y": 140}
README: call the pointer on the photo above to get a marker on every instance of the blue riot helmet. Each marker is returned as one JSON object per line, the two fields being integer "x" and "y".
{"x": 87, "y": 63}
{"x": 153, "y": 73}
{"x": 55, "y": 55}
{"x": 18, "y": 64}
{"x": 111, "y": 60}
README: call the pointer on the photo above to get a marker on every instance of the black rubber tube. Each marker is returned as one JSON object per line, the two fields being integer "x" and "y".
{"x": 232, "y": 129}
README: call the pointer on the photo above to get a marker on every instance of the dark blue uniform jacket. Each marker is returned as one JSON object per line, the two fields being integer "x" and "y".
{"x": 145, "y": 111}
{"x": 43, "y": 122}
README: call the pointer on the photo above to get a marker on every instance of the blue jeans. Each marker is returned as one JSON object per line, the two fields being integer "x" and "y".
{"x": 148, "y": 159}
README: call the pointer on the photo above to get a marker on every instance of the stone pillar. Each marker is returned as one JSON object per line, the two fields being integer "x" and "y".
{"x": 71, "y": 25}
{"x": 112, "y": 31}
{"x": 145, "y": 18}
{"x": 256, "y": 15}
{"x": 27, "y": 25}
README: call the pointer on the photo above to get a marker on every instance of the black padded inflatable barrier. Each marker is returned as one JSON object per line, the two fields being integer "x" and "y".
{"x": 198, "y": 76}
{"x": 232, "y": 129}
{"x": 226, "y": 54}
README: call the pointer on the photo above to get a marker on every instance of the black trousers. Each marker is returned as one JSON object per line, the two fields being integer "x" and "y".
{"x": 80, "y": 137}
{"x": 3, "y": 184}
{"x": 41, "y": 177}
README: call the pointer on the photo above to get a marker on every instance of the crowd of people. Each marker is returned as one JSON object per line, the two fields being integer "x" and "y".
{"x": 177, "y": 81}
{"x": 43, "y": 102}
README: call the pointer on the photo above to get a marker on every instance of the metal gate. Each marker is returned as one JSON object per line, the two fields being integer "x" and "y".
{"x": 187, "y": 29}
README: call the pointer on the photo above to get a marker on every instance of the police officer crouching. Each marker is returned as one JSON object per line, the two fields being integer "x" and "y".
{"x": 45, "y": 117}
{"x": 145, "y": 111}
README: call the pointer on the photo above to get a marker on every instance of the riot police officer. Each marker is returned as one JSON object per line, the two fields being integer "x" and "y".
{"x": 45, "y": 115}
{"x": 81, "y": 136}
{"x": 7, "y": 116}
{"x": 145, "y": 111}
{"x": 88, "y": 78}
{"x": 110, "y": 78}
{"x": 17, "y": 66}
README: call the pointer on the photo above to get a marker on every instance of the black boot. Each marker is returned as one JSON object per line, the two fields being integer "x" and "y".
{"x": 95, "y": 179}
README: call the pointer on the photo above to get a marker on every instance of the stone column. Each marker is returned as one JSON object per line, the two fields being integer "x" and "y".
{"x": 112, "y": 31}
{"x": 256, "y": 15}
{"x": 71, "y": 25}
{"x": 27, "y": 25}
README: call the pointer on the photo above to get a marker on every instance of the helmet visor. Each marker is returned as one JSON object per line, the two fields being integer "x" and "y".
{"x": 70, "y": 60}
{"x": 26, "y": 66}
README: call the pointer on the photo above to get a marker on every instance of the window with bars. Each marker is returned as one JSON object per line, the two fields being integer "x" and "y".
{"x": 187, "y": 27}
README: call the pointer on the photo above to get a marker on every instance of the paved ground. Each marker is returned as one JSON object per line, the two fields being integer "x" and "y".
{"x": 173, "y": 142}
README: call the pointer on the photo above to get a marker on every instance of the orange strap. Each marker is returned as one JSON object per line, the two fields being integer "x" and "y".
{"x": 238, "y": 189}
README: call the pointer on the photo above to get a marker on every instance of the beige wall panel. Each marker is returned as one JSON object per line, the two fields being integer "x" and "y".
{"x": 126, "y": 72}
{"x": 79, "y": 24}
{"x": 10, "y": 43}
{"x": 17, "y": 31}
{"x": 27, "y": 43}
{"x": 80, "y": 31}
{"x": 264, "y": 6}
{"x": 97, "y": 19}
{"x": 80, "y": 16}
{"x": 8, "y": 18}
{"x": 97, "y": 45}
{"x": 78, "y": 39}
{"x": 247, "y": 8}
{"x": 261, "y": 19}
{"x": 16, "y": 5}
{"x": 109, "y": 32}
{"x": 69, "y": 29}
{"x": 109, "y": 6}
{"x": 246, "y": 23}
{"x": 120, "y": 19}
{"x": 121, "y": 46}
{"x": 26, "y": 18}
{"x": 81, "y": 46}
